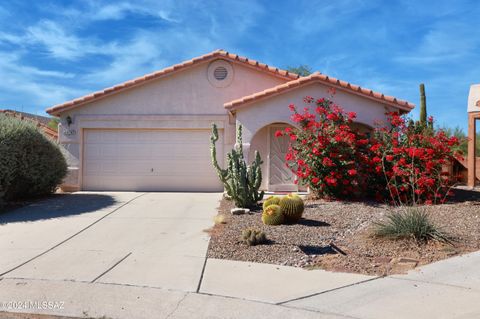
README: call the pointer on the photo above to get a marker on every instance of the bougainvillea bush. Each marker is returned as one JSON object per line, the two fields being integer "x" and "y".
{"x": 325, "y": 153}
{"x": 402, "y": 162}
{"x": 414, "y": 159}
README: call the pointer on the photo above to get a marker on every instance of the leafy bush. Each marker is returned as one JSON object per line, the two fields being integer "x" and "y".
{"x": 413, "y": 159}
{"x": 325, "y": 152}
{"x": 53, "y": 124}
{"x": 412, "y": 223}
{"x": 30, "y": 163}
{"x": 403, "y": 162}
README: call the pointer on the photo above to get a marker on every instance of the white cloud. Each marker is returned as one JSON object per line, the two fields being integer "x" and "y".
{"x": 324, "y": 15}
{"x": 11, "y": 38}
{"x": 443, "y": 43}
{"x": 63, "y": 44}
{"x": 119, "y": 10}
{"x": 148, "y": 52}
{"x": 30, "y": 83}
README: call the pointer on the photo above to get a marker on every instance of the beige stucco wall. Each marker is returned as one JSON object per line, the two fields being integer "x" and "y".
{"x": 257, "y": 115}
{"x": 473, "y": 97}
{"x": 185, "y": 100}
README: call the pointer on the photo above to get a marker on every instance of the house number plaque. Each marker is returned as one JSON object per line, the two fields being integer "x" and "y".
{"x": 69, "y": 132}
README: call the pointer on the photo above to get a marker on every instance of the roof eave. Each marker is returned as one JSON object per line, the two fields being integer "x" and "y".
{"x": 237, "y": 104}
{"x": 218, "y": 54}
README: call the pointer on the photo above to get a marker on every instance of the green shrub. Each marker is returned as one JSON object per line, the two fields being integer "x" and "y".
{"x": 30, "y": 163}
{"x": 412, "y": 223}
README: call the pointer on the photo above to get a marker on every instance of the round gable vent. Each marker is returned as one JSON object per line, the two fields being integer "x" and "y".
{"x": 220, "y": 73}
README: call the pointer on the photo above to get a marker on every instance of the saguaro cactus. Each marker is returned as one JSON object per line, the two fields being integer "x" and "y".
{"x": 241, "y": 181}
{"x": 423, "y": 105}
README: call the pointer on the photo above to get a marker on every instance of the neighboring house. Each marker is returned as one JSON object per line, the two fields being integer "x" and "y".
{"x": 473, "y": 110}
{"x": 152, "y": 133}
{"x": 40, "y": 121}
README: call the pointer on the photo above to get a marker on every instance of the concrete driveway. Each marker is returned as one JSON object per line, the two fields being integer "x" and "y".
{"x": 143, "y": 255}
{"x": 143, "y": 239}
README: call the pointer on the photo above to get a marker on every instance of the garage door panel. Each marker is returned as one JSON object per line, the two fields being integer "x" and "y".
{"x": 149, "y": 160}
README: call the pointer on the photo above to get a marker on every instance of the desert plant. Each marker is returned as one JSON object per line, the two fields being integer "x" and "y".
{"x": 410, "y": 222}
{"x": 53, "y": 123}
{"x": 272, "y": 200}
{"x": 302, "y": 70}
{"x": 253, "y": 237}
{"x": 292, "y": 207}
{"x": 220, "y": 219}
{"x": 423, "y": 105}
{"x": 403, "y": 161}
{"x": 412, "y": 157}
{"x": 30, "y": 163}
{"x": 241, "y": 181}
{"x": 272, "y": 215}
{"x": 325, "y": 153}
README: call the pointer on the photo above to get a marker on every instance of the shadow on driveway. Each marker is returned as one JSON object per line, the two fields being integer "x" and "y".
{"x": 58, "y": 206}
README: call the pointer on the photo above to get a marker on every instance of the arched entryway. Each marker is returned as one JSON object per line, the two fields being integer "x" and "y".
{"x": 277, "y": 177}
{"x": 361, "y": 127}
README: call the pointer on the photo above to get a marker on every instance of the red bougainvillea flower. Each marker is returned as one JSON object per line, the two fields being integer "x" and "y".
{"x": 278, "y": 133}
{"x": 401, "y": 162}
{"x": 352, "y": 115}
{"x": 352, "y": 172}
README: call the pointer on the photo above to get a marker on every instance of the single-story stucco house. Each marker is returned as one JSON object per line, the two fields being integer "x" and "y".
{"x": 152, "y": 133}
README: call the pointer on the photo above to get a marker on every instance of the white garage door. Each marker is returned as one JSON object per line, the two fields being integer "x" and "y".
{"x": 149, "y": 160}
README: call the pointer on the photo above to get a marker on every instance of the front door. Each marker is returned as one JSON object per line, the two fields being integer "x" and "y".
{"x": 280, "y": 177}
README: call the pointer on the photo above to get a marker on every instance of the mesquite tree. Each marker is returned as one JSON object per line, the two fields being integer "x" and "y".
{"x": 241, "y": 181}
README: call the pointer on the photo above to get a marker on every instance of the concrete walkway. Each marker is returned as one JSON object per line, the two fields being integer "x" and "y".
{"x": 142, "y": 255}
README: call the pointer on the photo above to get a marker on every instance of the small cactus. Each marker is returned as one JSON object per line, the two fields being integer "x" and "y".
{"x": 272, "y": 200}
{"x": 292, "y": 207}
{"x": 253, "y": 237}
{"x": 272, "y": 215}
{"x": 220, "y": 219}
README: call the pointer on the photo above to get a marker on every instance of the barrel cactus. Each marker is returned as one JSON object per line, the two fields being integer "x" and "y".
{"x": 272, "y": 215}
{"x": 241, "y": 181}
{"x": 292, "y": 207}
{"x": 272, "y": 200}
{"x": 253, "y": 237}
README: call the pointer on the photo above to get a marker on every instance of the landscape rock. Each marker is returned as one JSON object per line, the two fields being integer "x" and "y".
{"x": 239, "y": 211}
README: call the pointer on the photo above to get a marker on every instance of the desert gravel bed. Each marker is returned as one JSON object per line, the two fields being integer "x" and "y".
{"x": 348, "y": 226}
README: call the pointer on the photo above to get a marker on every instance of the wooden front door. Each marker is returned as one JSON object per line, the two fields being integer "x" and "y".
{"x": 280, "y": 177}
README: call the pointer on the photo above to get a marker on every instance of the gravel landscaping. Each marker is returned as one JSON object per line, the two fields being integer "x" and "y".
{"x": 337, "y": 236}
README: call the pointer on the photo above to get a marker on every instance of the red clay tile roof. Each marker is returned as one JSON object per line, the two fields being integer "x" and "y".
{"x": 324, "y": 79}
{"x": 287, "y": 76}
{"x": 32, "y": 118}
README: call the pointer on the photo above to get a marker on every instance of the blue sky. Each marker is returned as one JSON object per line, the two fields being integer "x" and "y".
{"x": 53, "y": 51}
